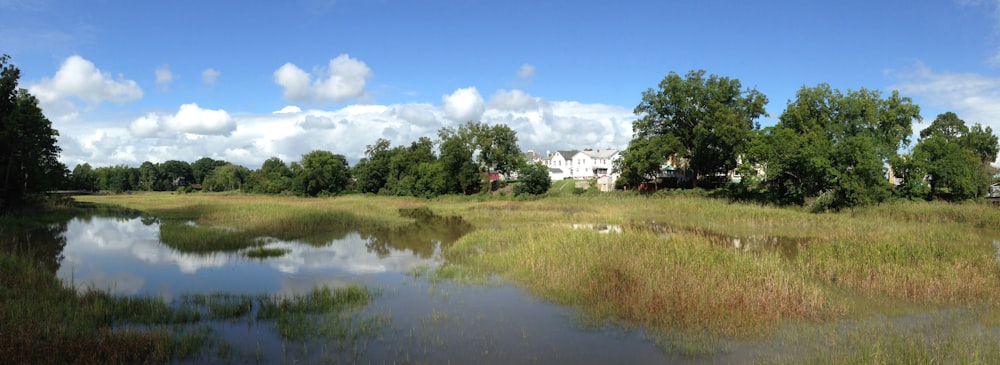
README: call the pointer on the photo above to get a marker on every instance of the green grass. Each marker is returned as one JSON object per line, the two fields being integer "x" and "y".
{"x": 678, "y": 280}
{"x": 265, "y": 252}
{"x": 45, "y": 322}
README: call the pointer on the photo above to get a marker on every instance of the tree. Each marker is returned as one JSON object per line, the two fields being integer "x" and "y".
{"x": 83, "y": 177}
{"x": 172, "y": 173}
{"x": 643, "y": 160}
{"x": 832, "y": 147}
{"x": 535, "y": 180}
{"x": 28, "y": 151}
{"x": 709, "y": 118}
{"x": 227, "y": 177}
{"x": 203, "y": 167}
{"x": 957, "y": 160}
{"x": 320, "y": 173}
{"x": 273, "y": 177}
{"x": 460, "y": 173}
{"x": 493, "y": 147}
{"x": 372, "y": 171}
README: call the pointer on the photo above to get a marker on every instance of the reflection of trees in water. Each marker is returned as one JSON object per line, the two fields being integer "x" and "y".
{"x": 420, "y": 237}
{"x": 40, "y": 239}
{"x": 42, "y": 236}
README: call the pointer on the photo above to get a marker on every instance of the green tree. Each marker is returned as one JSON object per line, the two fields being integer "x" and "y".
{"x": 535, "y": 180}
{"x": 493, "y": 147}
{"x": 372, "y": 172}
{"x": 149, "y": 175}
{"x": 957, "y": 159}
{"x": 28, "y": 152}
{"x": 171, "y": 172}
{"x": 460, "y": 172}
{"x": 710, "y": 119}
{"x": 832, "y": 147}
{"x": 273, "y": 177}
{"x": 227, "y": 177}
{"x": 83, "y": 177}
{"x": 320, "y": 173}
{"x": 643, "y": 160}
{"x": 204, "y": 166}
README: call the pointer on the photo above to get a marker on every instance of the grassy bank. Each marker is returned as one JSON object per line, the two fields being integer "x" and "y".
{"x": 678, "y": 264}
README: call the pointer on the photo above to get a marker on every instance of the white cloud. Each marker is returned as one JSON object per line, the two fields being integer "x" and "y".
{"x": 164, "y": 77}
{"x": 210, "y": 76}
{"x": 79, "y": 78}
{"x": 540, "y": 125}
{"x": 288, "y": 109}
{"x": 526, "y": 71}
{"x": 464, "y": 105}
{"x": 974, "y": 97}
{"x": 343, "y": 79}
{"x": 190, "y": 118}
{"x": 516, "y": 100}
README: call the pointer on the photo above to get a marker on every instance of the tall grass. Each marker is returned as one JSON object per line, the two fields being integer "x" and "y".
{"x": 42, "y": 321}
{"x": 914, "y": 255}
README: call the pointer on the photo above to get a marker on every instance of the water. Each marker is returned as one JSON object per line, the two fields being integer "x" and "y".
{"x": 424, "y": 321}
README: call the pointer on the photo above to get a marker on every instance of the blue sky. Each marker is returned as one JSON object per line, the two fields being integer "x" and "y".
{"x": 130, "y": 81}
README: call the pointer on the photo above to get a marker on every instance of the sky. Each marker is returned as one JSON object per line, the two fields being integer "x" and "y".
{"x": 131, "y": 81}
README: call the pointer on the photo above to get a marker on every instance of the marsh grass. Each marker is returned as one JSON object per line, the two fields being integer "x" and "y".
{"x": 45, "y": 322}
{"x": 266, "y": 252}
{"x": 899, "y": 258}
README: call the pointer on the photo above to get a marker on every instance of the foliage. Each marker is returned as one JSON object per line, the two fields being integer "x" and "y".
{"x": 705, "y": 120}
{"x": 203, "y": 167}
{"x": 320, "y": 173}
{"x": 954, "y": 160}
{"x": 643, "y": 159}
{"x": 493, "y": 147}
{"x": 28, "y": 149}
{"x": 534, "y": 180}
{"x": 273, "y": 177}
{"x": 227, "y": 177}
{"x": 830, "y": 147}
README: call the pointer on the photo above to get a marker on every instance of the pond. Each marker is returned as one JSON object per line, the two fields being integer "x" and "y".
{"x": 419, "y": 319}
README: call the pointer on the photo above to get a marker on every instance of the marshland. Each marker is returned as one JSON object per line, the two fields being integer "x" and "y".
{"x": 585, "y": 278}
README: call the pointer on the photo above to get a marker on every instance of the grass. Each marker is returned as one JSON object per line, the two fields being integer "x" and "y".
{"x": 265, "y": 252}
{"x": 43, "y": 321}
{"x": 678, "y": 280}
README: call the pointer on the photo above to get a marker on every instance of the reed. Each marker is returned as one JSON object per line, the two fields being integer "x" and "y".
{"x": 668, "y": 270}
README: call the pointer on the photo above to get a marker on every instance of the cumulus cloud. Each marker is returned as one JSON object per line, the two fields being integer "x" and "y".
{"x": 164, "y": 77}
{"x": 190, "y": 118}
{"x": 513, "y": 100}
{"x": 288, "y": 109}
{"x": 78, "y": 80}
{"x": 464, "y": 105}
{"x": 974, "y": 97}
{"x": 526, "y": 71}
{"x": 344, "y": 78}
{"x": 540, "y": 125}
{"x": 210, "y": 76}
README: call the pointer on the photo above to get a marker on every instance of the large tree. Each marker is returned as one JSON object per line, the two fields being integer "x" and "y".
{"x": 28, "y": 151}
{"x": 320, "y": 173}
{"x": 832, "y": 146}
{"x": 494, "y": 148}
{"x": 709, "y": 118}
{"x": 957, "y": 160}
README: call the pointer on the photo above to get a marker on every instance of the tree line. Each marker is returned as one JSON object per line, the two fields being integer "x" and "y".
{"x": 459, "y": 163}
{"x": 829, "y": 149}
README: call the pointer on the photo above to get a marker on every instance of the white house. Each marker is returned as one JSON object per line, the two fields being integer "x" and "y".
{"x": 560, "y": 164}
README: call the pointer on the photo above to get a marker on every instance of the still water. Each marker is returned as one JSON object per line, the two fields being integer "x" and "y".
{"x": 424, "y": 321}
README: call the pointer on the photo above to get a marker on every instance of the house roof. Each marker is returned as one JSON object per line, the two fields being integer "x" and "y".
{"x": 567, "y": 153}
{"x": 599, "y": 154}
{"x": 555, "y": 170}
